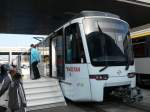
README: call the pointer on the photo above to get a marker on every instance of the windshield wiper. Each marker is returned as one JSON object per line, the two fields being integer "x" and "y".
{"x": 99, "y": 28}
{"x": 128, "y": 64}
{"x": 103, "y": 68}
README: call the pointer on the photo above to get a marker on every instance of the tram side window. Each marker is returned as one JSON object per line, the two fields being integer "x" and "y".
{"x": 74, "y": 47}
{"x": 141, "y": 47}
{"x": 148, "y": 45}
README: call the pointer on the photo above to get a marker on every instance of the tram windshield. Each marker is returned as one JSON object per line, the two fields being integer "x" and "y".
{"x": 108, "y": 42}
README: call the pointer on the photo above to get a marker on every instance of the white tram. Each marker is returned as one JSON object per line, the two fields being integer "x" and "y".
{"x": 92, "y": 54}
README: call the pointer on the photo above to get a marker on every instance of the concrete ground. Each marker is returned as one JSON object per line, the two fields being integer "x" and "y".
{"x": 143, "y": 106}
{"x": 69, "y": 108}
{"x": 107, "y": 107}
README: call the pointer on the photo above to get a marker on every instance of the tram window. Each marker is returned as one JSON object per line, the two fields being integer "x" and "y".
{"x": 139, "y": 50}
{"x": 139, "y": 47}
{"x": 148, "y": 46}
{"x": 74, "y": 47}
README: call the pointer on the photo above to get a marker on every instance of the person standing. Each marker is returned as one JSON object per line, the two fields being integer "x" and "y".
{"x": 4, "y": 83}
{"x": 17, "y": 99}
{"x": 35, "y": 59}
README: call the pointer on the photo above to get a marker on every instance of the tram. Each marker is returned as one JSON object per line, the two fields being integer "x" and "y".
{"x": 92, "y": 54}
{"x": 141, "y": 47}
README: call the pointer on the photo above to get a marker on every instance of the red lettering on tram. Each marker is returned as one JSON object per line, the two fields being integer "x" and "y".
{"x": 73, "y": 69}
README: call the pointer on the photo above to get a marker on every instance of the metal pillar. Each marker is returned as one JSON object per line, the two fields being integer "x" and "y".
{"x": 10, "y": 57}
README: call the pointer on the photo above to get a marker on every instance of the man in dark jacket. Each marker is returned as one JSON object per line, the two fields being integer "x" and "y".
{"x": 17, "y": 99}
{"x": 4, "y": 83}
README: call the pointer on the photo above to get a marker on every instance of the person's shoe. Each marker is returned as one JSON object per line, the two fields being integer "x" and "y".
{"x": 38, "y": 77}
{"x": 35, "y": 78}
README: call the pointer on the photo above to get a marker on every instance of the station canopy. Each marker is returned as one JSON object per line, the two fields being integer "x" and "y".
{"x": 43, "y": 16}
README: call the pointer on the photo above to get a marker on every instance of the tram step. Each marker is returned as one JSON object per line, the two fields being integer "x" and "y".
{"x": 42, "y": 89}
{"x": 45, "y": 101}
{"x": 43, "y": 93}
{"x": 44, "y": 106}
{"x": 40, "y": 80}
{"x": 39, "y": 84}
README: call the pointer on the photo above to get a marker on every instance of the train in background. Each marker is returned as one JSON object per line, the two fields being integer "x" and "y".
{"x": 141, "y": 47}
{"x": 92, "y": 54}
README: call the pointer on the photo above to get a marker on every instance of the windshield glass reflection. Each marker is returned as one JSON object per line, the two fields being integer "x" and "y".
{"x": 108, "y": 42}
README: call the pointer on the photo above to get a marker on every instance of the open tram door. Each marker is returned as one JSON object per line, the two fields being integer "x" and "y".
{"x": 57, "y": 55}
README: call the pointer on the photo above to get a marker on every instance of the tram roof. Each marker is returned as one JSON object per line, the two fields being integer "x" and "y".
{"x": 95, "y": 13}
{"x": 140, "y": 31}
{"x": 143, "y": 27}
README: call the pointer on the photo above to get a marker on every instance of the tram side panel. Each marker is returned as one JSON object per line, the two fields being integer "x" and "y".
{"x": 142, "y": 70}
{"x": 78, "y": 85}
{"x": 142, "y": 65}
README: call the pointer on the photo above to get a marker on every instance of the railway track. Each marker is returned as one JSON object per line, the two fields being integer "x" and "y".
{"x": 139, "y": 106}
{"x": 111, "y": 106}
{"x": 88, "y": 107}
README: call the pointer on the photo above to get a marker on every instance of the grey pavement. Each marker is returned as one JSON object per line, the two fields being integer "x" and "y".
{"x": 109, "y": 107}
{"x": 68, "y": 108}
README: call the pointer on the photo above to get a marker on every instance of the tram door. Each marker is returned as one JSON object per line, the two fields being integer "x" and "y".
{"x": 57, "y": 56}
{"x": 75, "y": 63}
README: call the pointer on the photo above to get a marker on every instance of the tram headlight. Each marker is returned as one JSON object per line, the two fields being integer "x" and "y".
{"x": 131, "y": 75}
{"x": 99, "y": 77}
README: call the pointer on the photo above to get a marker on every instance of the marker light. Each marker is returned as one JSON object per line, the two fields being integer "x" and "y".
{"x": 131, "y": 75}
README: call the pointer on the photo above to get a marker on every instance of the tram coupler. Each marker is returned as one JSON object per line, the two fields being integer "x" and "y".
{"x": 128, "y": 95}
{"x": 135, "y": 95}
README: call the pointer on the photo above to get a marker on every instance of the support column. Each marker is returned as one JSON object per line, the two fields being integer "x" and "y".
{"x": 10, "y": 57}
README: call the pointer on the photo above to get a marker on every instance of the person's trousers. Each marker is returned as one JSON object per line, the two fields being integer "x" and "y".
{"x": 35, "y": 70}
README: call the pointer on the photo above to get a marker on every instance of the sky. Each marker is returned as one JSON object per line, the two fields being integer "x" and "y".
{"x": 18, "y": 40}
